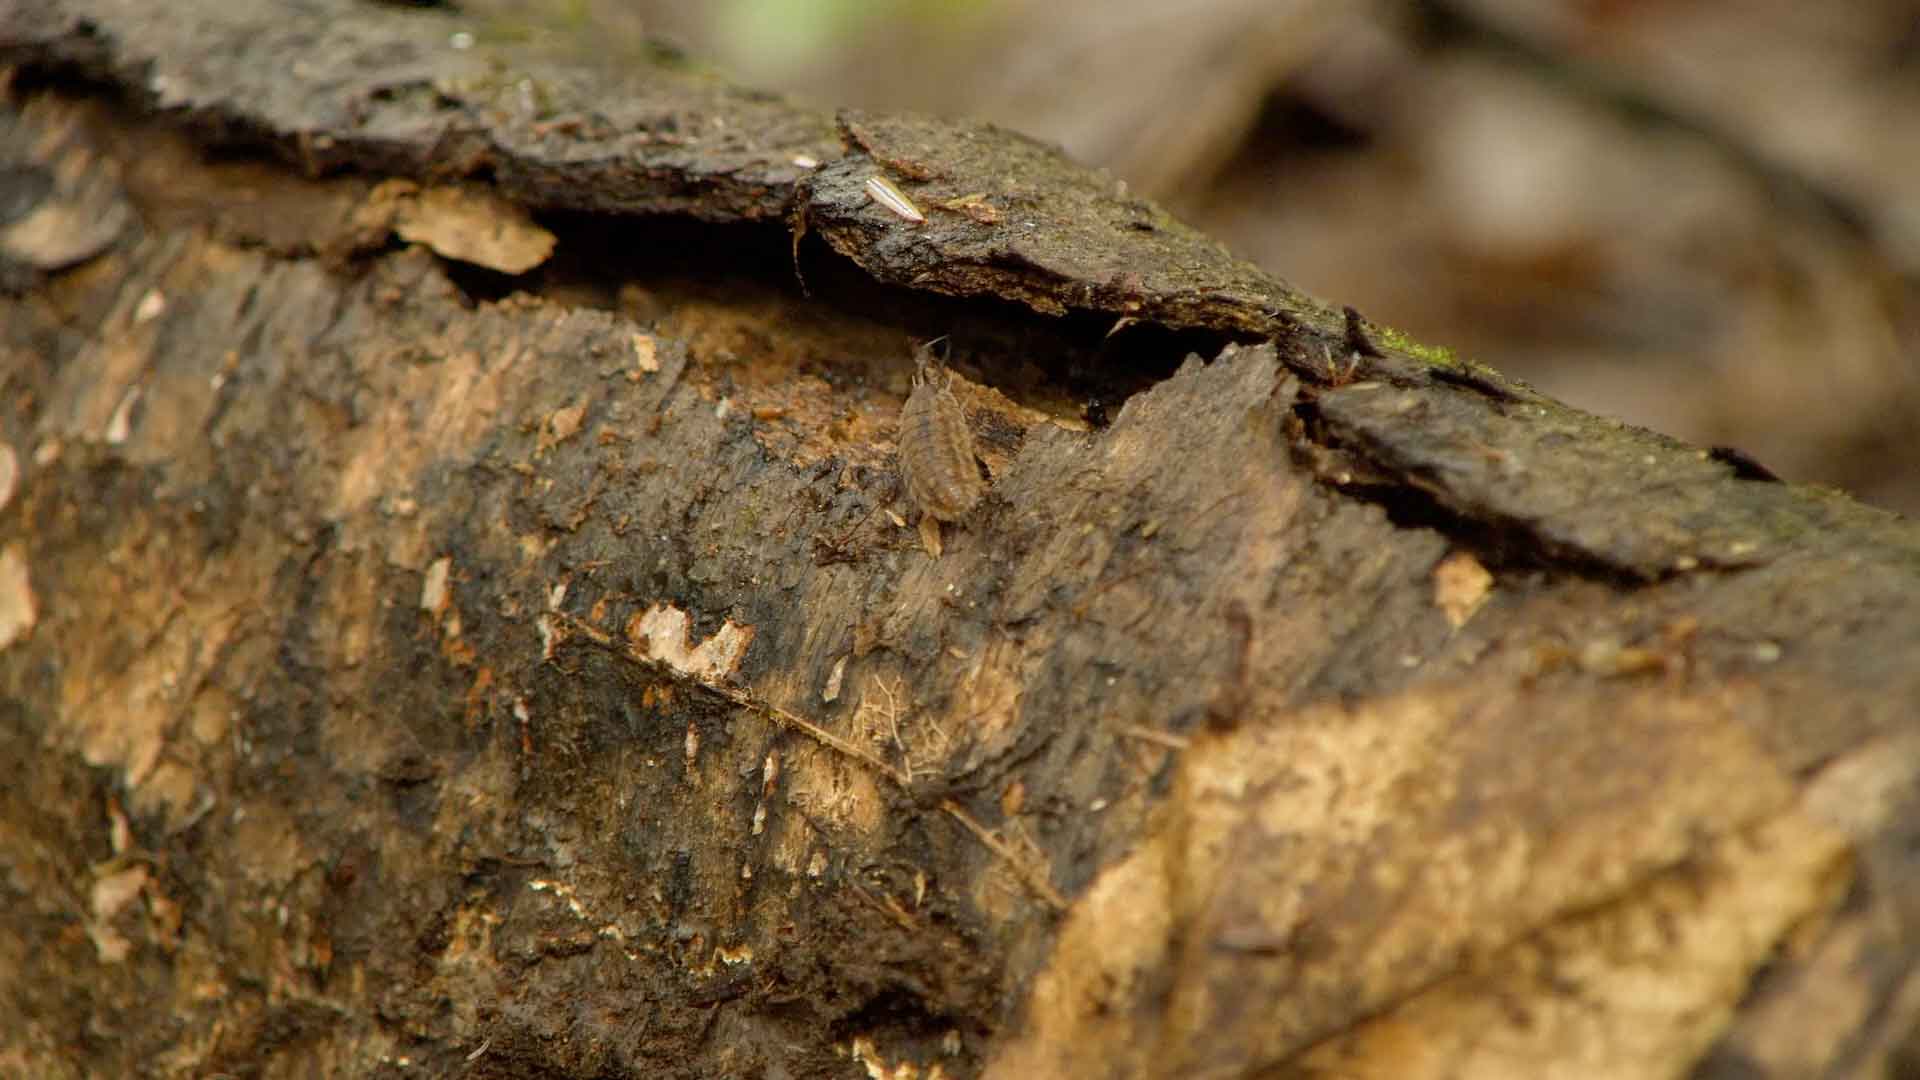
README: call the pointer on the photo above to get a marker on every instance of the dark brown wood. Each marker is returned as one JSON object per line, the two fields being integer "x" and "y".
{"x": 409, "y": 667}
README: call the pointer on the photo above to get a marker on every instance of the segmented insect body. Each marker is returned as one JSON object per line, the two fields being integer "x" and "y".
{"x": 882, "y": 190}
{"x": 936, "y": 447}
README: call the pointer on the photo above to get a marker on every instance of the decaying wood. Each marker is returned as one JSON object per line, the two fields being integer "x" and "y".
{"x": 411, "y": 662}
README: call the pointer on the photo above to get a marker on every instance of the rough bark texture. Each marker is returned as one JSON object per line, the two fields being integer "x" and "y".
{"x": 413, "y": 668}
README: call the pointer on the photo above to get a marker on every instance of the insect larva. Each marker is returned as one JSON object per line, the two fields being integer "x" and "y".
{"x": 936, "y": 451}
{"x": 881, "y": 190}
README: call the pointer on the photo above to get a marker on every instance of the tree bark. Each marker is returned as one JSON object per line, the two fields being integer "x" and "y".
{"x": 459, "y": 616}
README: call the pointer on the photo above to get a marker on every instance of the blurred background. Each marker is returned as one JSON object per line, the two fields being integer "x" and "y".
{"x": 1700, "y": 216}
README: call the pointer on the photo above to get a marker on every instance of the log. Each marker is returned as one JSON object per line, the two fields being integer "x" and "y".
{"x": 459, "y": 615}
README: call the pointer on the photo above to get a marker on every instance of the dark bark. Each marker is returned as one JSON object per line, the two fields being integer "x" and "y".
{"x": 413, "y": 667}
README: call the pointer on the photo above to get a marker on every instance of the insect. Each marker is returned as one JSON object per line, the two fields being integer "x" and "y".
{"x": 936, "y": 450}
{"x": 882, "y": 190}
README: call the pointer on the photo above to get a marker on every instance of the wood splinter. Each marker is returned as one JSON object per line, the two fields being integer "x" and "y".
{"x": 936, "y": 451}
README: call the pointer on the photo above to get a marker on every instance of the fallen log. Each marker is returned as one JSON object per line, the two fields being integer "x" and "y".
{"x": 459, "y": 614}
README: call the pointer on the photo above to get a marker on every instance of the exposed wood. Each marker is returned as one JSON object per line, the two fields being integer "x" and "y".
{"x": 408, "y": 667}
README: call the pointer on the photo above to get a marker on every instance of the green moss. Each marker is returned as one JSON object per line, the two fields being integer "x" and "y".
{"x": 503, "y": 30}
{"x": 1436, "y": 355}
{"x": 573, "y": 15}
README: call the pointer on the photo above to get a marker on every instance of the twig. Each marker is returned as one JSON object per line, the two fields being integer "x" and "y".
{"x": 1034, "y": 878}
{"x": 816, "y": 732}
{"x": 740, "y": 698}
{"x": 891, "y": 908}
{"x": 1152, "y": 735}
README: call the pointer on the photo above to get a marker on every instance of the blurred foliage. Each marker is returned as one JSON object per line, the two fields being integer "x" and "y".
{"x": 777, "y": 39}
